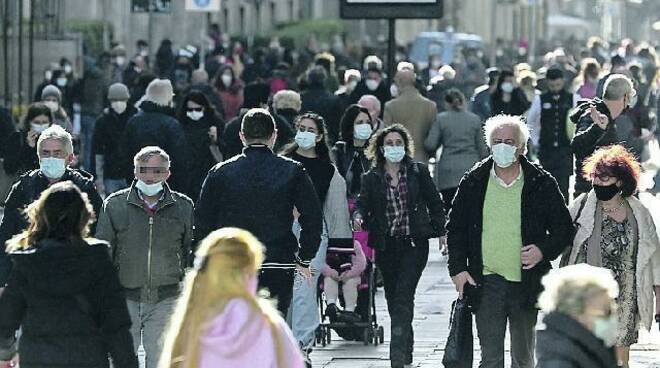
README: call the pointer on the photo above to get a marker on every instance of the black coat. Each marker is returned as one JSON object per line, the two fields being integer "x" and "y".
{"x": 67, "y": 299}
{"x": 545, "y": 222}
{"x": 155, "y": 125}
{"x": 19, "y": 156}
{"x": 351, "y": 163}
{"x": 257, "y": 191}
{"x": 199, "y": 159}
{"x": 26, "y": 190}
{"x": 564, "y": 343}
{"x": 517, "y": 106}
{"x": 425, "y": 206}
{"x": 318, "y": 100}
{"x": 108, "y": 141}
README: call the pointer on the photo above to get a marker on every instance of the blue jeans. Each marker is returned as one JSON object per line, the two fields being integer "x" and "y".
{"x": 303, "y": 315}
{"x": 114, "y": 185}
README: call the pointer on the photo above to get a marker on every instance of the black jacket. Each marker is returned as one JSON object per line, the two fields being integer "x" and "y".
{"x": 517, "y": 106}
{"x": 318, "y": 100}
{"x": 425, "y": 206}
{"x": 155, "y": 125}
{"x": 564, "y": 343}
{"x": 108, "y": 141}
{"x": 19, "y": 156}
{"x": 26, "y": 190}
{"x": 66, "y": 298}
{"x": 589, "y": 137}
{"x": 545, "y": 222}
{"x": 351, "y": 163}
{"x": 257, "y": 191}
{"x": 199, "y": 159}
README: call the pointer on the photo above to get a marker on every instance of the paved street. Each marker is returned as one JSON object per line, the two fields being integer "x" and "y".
{"x": 434, "y": 296}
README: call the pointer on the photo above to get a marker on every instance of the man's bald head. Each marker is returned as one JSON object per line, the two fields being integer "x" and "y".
{"x": 371, "y": 103}
{"x": 405, "y": 78}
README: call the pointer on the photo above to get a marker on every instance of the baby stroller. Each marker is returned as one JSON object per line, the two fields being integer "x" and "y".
{"x": 367, "y": 329}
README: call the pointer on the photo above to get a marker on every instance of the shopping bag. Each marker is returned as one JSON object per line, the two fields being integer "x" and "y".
{"x": 458, "y": 351}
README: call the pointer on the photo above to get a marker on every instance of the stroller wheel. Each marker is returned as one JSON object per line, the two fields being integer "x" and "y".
{"x": 381, "y": 334}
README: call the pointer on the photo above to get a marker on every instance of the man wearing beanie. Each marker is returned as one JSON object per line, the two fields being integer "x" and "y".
{"x": 109, "y": 139}
{"x": 155, "y": 125}
{"x": 51, "y": 96}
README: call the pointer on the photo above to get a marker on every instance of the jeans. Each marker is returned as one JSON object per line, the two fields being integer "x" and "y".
{"x": 501, "y": 302}
{"x": 402, "y": 263}
{"x": 87, "y": 123}
{"x": 149, "y": 323}
{"x": 114, "y": 185}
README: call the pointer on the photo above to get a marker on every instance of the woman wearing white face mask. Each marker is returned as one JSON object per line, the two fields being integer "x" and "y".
{"x": 51, "y": 96}
{"x": 508, "y": 98}
{"x": 402, "y": 210}
{"x": 21, "y": 150}
{"x": 230, "y": 89}
{"x": 203, "y": 129}
{"x": 580, "y": 323}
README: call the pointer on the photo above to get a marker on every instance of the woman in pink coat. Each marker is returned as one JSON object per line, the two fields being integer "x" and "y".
{"x": 219, "y": 321}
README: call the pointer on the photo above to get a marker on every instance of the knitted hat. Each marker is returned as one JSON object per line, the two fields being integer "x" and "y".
{"x": 118, "y": 91}
{"x": 51, "y": 91}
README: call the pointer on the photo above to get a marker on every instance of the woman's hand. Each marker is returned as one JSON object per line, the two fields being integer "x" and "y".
{"x": 31, "y": 138}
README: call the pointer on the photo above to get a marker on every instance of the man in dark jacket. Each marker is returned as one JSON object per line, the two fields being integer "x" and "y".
{"x": 596, "y": 126}
{"x": 108, "y": 141}
{"x": 155, "y": 125}
{"x": 55, "y": 151}
{"x": 319, "y": 100}
{"x": 258, "y": 191}
{"x": 508, "y": 221}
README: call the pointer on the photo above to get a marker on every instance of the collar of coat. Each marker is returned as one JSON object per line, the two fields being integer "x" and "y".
{"x": 481, "y": 171}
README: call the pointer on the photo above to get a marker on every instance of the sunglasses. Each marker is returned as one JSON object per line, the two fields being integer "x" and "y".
{"x": 197, "y": 109}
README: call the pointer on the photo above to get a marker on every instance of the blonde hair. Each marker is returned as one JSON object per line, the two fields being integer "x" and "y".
{"x": 225, "y": 261}
{"x": 568, "y": 289}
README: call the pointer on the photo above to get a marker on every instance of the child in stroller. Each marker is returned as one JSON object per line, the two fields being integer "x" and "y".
{"x": 345, "y": 266}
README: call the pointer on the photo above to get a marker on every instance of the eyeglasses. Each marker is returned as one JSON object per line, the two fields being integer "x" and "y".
{"x": 153, "y": 170}
{"x": 40, "y": 122}
{"x": 603, "y": 177}
{"x": 197, "y": 109}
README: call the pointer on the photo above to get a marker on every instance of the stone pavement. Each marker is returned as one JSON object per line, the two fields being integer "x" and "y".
{"x": 432, "y": 308}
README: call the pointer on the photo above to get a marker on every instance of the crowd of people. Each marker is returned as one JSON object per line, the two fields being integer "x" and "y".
{"x": 260, "y": 169}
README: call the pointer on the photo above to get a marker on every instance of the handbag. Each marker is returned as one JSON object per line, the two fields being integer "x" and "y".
{"x": 566, "y": 254}
{"x": 458, "y": 350}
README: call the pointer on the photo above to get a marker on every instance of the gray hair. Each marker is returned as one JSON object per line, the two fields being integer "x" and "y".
{"x": 502, "y": 120}
{"x": 617, "y": 86}
{"x": 370, "y": 99}
{"x": 160, "y": 92}
{"x": 287, "y": 99}
{"x": 57, "y": 133}
{"x": 148, "y": 152}
{"x": 568, "y": 289}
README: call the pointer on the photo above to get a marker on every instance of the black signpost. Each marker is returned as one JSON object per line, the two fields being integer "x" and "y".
{"x": 391, "y": 10}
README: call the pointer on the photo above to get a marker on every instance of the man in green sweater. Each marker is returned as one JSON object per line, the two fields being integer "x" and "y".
{"x": 508, "y": 221}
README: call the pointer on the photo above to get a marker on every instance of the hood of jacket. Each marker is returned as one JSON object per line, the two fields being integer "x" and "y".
{"x": 59, "y": 267}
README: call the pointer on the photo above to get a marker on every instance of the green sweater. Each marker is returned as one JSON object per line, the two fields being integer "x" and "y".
{"x": 501, "y": 237}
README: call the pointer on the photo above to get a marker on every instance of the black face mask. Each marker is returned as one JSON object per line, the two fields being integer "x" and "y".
{"x": 606, "y": 192}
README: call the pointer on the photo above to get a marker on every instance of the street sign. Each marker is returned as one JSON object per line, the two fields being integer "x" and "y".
{"x": 203, "y": 5}
{"x": 390, "y": 9}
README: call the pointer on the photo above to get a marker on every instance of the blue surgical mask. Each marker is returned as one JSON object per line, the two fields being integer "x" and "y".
{"x": 149, "y": 189}
{"x": 305, "y": 140}
{"x": 504, "y": 154}
{"x": 362, "y": 131}
{"x": 606, "y": 329}
{"x": 394, "y": 154}
{"x": 52, "y": 167}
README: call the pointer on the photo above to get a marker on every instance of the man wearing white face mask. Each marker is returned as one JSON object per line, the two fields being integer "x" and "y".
{"x": 55, "y": 151}
{"x": 508, "y": 221}
{"x": 108, "y": 141}
{"x": 149, "y": 228}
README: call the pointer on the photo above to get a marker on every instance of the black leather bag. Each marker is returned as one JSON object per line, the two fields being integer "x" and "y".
{"x": 458, "y": 351}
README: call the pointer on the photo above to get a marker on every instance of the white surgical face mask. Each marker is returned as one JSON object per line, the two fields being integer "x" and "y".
{"x": 52, "y": 167}
{"x": 195, "y": 115}
{"x": 394, "y": 154}
{"x": 394, "y": 90}
{"x": 226, "y": 80}
{"x": 120, "y": 60}
{"x": 606, "y": 329}
{"x": 507, "y": 87}
{"x": 119, "y": 106}
{"x": 52, "y": 105}
{"x": 351, "y": 85}
{"x": 38, "y": 128}
{"x": 372, "y": 84}
{"x": 504, "y": 154}
{"x": 149, "y": 189}
{"x": 68, "y": 69}
{"x": 362, "y": 131}
{"x": 61, "y": 82}
{"x": 305, "y": 140}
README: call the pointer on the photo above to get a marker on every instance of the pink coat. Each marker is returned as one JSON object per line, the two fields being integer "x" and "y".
{"x": 236, "y": 339}
{"x": 358, "y": 261}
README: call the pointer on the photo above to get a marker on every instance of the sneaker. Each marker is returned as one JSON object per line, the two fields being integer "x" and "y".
{"x": 331, "y": 312}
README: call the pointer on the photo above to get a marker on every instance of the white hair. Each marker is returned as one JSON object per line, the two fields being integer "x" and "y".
{"x": 57, "y": 133}
{"x": 160, "y": 92}
{"x": 499, "y": 121}
{"x": 617, "y": 86}
{"x": 352, "y": 73}
{"x": 148, "y": 152}
{"x": 287, "y": 99}
{"x": 447, "y": 72}
{"x": 568, "y": 289}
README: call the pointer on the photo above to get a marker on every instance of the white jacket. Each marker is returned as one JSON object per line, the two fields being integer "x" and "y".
{"x": 648, "y": 253}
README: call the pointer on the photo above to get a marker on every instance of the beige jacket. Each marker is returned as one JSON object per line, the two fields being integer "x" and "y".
{"x": 648, "y": 254}
{"x": 417, "y": 113}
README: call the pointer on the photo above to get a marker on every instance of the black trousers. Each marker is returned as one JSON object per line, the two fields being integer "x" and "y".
{"x": 560, "y": 165}
{"x": 279, "y": 283}
{"x": 401, "y": 263}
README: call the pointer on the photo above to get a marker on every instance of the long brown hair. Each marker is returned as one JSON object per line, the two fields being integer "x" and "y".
{"x": 62, "y": 212}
